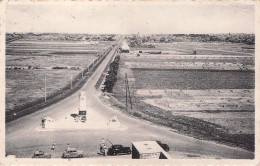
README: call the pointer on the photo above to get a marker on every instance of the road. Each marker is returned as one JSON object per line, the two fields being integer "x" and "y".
{"x": 23, "y": 138}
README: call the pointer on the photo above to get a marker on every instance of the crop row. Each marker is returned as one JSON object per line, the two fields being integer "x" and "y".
{"x": 78, "y": 81}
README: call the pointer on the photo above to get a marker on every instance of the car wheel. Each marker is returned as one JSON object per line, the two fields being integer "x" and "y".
{"x": 67, "y": 156}
{"x": 80, "y": 155}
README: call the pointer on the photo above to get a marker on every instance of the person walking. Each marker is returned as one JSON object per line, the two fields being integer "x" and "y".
{"x": 43, "y": 123}
{"x": 105, "y": 150}
{"x": 68, "y": 146}
{"x": 52, "y": 149}
{"x": 53, "y": 146}
{"x": 103, "y": 147}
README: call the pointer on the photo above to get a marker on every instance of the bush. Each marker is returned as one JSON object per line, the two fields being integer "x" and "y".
{"x": 111, "y": 78}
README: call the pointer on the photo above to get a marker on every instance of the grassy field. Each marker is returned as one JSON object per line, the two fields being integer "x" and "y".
{"x": 24, "y": 86}
{"x": 192, "y": 79}
{"x": 231, "y": 108}
{"x": 36, "y": 59}
{"x": 171, "y": 61}
{"x": 208, "y": 96}
{"x": 204, "y": 48}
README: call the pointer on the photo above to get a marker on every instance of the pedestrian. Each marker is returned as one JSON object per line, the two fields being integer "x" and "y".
{"x": 53, "y": 146}
{"x": 100, "y": 149}
{"x": 43, "y": 123}
{"x": 68, "y": 146}
{"x": 103, "y": 141}
{"x": 105, "y": 150}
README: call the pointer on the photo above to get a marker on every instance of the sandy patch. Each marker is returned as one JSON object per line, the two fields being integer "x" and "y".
{"x": 200, "y": 100}
{"x": 94, "y": 121}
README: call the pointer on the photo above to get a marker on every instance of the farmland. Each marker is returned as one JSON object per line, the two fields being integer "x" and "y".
{"x": 203, "y": 48}
{"x": 32, "y": 58}
{"x": 193, "y": 79}
{"x": 208, "y": 95}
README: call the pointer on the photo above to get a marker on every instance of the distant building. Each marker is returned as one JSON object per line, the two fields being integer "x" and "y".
{"x": 125, "y": 48}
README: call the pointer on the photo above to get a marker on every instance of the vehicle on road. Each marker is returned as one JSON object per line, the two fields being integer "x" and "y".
{"x": 72, "y": 153}
{"x": 164, "y": 146}
{"x": 118, "y": 149}
{"x": 41, "y": 154}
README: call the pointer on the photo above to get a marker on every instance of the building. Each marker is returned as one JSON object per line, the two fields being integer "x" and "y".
{"x": 125, "y": 48}
{"x": 148, "y": 150}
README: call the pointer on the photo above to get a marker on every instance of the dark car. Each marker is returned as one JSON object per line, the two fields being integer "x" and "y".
{"x": 164, "y": 146}
{"x": 118, "y": 149}
{"x": 41, "y": 154}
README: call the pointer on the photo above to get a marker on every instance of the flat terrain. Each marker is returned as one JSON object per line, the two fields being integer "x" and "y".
{"x": 25, "y": 130}
{"x": 28, "y": 61}
{"x": 203, "y": 48}
{"x": 230, "y": 108}
{"x": 209, "y": 95}
{"x": 193, "y": 79}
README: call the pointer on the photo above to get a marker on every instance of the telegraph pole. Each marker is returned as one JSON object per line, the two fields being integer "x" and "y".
{"x": 45, "y": 93}
{"x": 129, "y": 92}
{"x": 125, "y": 92}
{"x": 70, "y": 81}
{"x": 82, "y": 72}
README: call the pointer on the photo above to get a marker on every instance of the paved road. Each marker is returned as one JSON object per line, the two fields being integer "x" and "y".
{"x": 22, "y": 138}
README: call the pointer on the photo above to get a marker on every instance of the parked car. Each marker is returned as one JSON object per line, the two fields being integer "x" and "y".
{"x": 118, "y": 149}
{"x": 41, "y": 154}
{"x": 72, "y": 153}
{"x": 164, "y": 146}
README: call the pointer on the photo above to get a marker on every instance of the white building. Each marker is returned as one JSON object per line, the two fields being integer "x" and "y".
{"x": 125, "y": 48}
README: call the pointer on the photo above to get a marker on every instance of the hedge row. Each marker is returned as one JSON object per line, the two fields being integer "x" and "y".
{"x": 111, "y": 77}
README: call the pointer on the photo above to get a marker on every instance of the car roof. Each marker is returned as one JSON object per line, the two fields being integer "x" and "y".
{"x": 38, "y": 152}
{"x": 117, "y": 145}
{"x": 71, "y": 149}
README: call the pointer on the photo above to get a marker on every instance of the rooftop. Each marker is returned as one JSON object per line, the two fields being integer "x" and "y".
{"x": 147, "y": 147}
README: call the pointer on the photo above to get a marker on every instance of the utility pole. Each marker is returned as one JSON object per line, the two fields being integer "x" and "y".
{"x": 125, "y": 92}
{"x": 82, "y": 72}
{"x": 70, "y": 81}
{"x": 45, "y": 93}
{"x": 129, "y": 92}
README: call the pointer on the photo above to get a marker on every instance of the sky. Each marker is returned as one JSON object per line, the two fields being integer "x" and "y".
{"x": 129, "y": 18}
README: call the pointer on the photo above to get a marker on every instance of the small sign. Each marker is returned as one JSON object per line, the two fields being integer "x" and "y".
{"x": 82, "y": 112}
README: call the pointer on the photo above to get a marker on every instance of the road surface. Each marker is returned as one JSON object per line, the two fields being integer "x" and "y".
{"x": 23, "y": 138}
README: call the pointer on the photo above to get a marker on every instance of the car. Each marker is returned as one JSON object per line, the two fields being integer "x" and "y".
{"x": 72, "y": 153}
{"x": 41, "y": 154}
{"x": 118, "y": 149}
{"x": 164, "y": 146}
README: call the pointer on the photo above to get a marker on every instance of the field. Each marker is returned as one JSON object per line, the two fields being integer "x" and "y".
{"x": 209, "y": 95}
{"x": 193, "y": 79}
{"x": 204, "y": 48}
{"x": 29, "y": 60}
{"x": 231, "y": 108}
